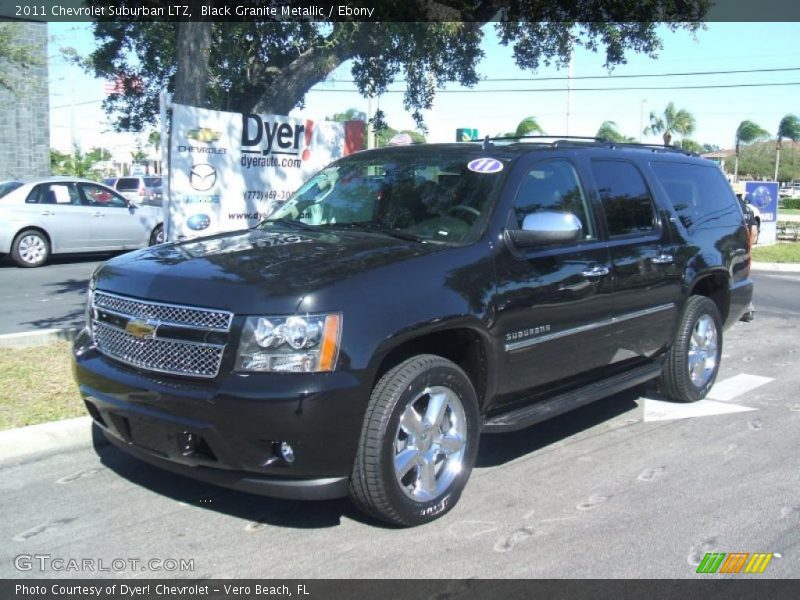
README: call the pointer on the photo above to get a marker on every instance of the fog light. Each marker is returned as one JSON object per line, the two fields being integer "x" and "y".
{"x": 187, "y": 443}
{"x": 287, "y": 453}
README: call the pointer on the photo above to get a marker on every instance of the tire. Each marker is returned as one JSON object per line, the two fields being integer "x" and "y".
{"x": 412, "y": 464}
{"x": 31, "y": 248}
{"x": 692, "y": 362}
{"x": 157, "y": 237}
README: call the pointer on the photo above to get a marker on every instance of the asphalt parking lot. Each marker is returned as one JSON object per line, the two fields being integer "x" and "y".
{"x": 49, "y": 297}
{"x": 628, "y": 487}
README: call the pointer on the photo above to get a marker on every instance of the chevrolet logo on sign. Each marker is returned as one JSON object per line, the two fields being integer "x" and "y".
{"x": 141, "y": 328}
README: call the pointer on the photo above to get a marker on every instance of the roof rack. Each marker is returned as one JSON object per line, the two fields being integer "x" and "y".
{"x": 578, "y": 140}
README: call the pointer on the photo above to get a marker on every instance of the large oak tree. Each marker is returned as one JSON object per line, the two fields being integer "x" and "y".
{"x": 269, "y": 66}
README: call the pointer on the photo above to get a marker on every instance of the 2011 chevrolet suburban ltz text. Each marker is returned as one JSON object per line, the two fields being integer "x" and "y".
{"x": 406, "y": 300}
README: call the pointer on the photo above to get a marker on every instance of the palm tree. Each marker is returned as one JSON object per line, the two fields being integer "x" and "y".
{"x": 673, "y": 121}
{"x": 746, "y": 133}
{"x": 608, "y": 131}
{"x": 789, "y": 127}
{"x": 528, "y": 126}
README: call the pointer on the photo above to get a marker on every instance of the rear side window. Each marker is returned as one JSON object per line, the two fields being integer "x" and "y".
{"x": 626, "y": 199}
{"x": 700, "y": 195}
{"x": 54, "y": 193}
{"x": 128, "y": 184}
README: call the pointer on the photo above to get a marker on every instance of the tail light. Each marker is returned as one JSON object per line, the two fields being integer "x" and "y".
{"x": 141, "y": 191}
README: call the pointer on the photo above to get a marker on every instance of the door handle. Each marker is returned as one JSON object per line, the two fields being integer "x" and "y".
{"x": 596, "y": 271}
{"x": 98, "y": 214}
{"x": 48, "y": 213}
{"x": 663, "y": 259}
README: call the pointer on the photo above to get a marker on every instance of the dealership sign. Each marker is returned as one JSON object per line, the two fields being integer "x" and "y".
{"x": 227, "y": 171}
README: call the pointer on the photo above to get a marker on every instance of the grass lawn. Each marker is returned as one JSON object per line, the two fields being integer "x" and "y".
{"x": 785, "y": 252}
{"x": 788, "y": 211}
{"x": 36, "y": 385}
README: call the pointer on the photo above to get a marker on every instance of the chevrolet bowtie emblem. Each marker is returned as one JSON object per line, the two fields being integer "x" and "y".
{"x": 142, "y": 328}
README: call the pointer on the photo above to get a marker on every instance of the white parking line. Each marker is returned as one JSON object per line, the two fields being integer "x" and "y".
{"x": 660, "y": 410}
{"x": 718, "y": 401}
{"x": 730, "y": 388}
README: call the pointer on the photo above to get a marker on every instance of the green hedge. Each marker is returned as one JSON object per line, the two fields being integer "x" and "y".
{"x": 790, "y": 203}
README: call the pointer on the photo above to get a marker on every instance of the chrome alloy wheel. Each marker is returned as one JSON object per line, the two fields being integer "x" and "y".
{"x": 32, "y": 249}
{"x": 703, "y": 351}
{"x": 430, "y": 444}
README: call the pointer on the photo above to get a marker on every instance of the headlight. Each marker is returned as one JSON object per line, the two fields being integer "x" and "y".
{"x": 301, "y": 344}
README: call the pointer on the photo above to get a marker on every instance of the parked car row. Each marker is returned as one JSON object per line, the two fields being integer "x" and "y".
{"x": 52, "y": 215}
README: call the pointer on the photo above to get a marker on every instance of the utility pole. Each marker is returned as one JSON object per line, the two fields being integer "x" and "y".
{"x": 569, "y": 88}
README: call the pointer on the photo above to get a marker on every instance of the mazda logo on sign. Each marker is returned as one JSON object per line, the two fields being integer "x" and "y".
{"x": 203, "y": 177}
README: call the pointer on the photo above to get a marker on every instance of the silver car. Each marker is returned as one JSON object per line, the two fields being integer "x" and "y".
{"x": 51, "y": 215}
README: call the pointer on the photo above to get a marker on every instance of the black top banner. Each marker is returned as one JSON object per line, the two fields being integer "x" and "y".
{"x": 402, "y": 11}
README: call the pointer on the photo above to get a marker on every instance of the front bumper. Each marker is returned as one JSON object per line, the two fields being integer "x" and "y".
{"x": 227, "y": 431}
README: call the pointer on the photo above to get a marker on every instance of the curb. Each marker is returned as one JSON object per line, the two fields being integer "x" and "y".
{"x": 56, "y": 435}
{"x": 37, "y": 338}
{"x": 783, "y": 267}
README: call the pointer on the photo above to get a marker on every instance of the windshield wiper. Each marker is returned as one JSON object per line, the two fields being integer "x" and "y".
{"x": 376, "y": 228}
{"x": 291, "y": 223}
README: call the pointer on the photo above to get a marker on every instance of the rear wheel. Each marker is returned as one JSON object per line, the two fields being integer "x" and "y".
{"x": 30, "y": 249}
{"x": 418, "y": 443}
{"x": 692, "y": 362}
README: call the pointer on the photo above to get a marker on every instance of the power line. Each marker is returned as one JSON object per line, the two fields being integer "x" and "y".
{"x": 684, "y": 74}
{"x": 80, "y": 104}
{"x": 599, "y": 89}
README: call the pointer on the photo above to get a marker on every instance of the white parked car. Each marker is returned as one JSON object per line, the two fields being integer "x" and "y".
{"x": 52, "y": 215}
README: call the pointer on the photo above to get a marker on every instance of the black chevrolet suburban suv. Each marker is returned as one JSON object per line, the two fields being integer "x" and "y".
{"x": 406, "y": 300}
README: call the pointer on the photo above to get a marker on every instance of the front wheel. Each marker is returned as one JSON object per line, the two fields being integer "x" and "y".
{"x": 418, "y": 443}
{"x": 30, "y": 249}
{"x": 692, "y": 361}
{"x": 157, "y": 237}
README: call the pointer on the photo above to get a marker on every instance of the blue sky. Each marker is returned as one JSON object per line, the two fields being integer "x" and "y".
{"x": 75, "y": 96}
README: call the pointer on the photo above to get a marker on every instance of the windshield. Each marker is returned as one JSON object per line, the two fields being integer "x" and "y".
{"x": 418, "y": 193}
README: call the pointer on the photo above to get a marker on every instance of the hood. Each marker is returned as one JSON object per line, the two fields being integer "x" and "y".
{"x": 252, "y": 271}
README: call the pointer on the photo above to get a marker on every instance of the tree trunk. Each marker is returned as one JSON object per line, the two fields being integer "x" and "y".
{"x": 297, "y": 78}
{"x": 777, "y": 158}
{"x": 192, "y": 49}
{"x": 736, "y": 169}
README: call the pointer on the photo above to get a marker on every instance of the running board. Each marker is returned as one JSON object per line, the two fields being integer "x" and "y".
{"x": 546, "y": 409}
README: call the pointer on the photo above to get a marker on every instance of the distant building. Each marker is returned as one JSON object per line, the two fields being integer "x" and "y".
{"x": 720, "y": 156}
{"x": 25, "y": 111}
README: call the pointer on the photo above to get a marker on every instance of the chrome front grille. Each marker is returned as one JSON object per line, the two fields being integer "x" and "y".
{"x": 130, "y": 331}
{"x": 172, "y": 314}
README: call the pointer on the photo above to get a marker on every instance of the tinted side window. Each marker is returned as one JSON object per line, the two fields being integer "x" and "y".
{"x": 553, "y": 186}
{"x": 700, "y": 194}
{"x": 626, "y": 200}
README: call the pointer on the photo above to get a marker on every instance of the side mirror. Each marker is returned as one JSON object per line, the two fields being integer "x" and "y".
{"x": 547, "y": 227}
